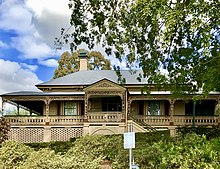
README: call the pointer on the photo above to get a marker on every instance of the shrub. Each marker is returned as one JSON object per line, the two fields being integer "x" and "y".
{"x": 4, "y": 129}
{"x": 153, "y": 150}
{"x": 191, "y": 151}
{"x": 209, "y": 132}
{"x": 100, "y": 147}
{"x": 13, "y": 154}
{"x": 58, "y": 146}
{"x": 44, "y": 158}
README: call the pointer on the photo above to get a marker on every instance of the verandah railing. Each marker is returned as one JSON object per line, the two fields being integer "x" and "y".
{"x": 177, "y": 120}
{"x": 105, "y": 116}
{"x": 65, "y": 120}
{"x": 111, "y": 117}
{"x": 42, "y": 120}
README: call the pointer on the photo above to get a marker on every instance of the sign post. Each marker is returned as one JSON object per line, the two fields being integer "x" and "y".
{"x": 129, "y": 143}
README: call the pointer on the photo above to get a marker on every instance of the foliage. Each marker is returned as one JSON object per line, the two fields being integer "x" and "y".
{"x": 181, "y": 37}
{"x": 4, "y": 129}
{"x": 209, "y": 132}
{"x": 13, "y": 154}
{"x": 99, "y": 146}
{"x": 69, "y": 63}
{"x": 191, "y": 152}
{"x": 57, "y": 146}
{"x": 43, "y": 158}
{"x": 153, "y": 150}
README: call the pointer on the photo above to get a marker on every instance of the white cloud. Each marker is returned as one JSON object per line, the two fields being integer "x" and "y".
{"x": 31, "y": 47}
{"x": 49, "y": 24}
{"x": 49, "y": 63}
{"x": 15, "y": 16}
{"x": 3, "y": 45}
{"x": 15, "y": 78}
{"x": 32, "y": 68}
{"x": 36, "y": 23}
{"x": 57, "y": 6}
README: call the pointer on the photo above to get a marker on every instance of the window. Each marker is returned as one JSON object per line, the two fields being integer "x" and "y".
{"x": 153, "y": 108}
{"x": 203, "y": 108}
{"x": 111, "y": 104}
{"x": 70, "y": 108}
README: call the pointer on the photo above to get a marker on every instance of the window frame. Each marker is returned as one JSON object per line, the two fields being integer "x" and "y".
{"x": 157, "y": 110}
{"x": 72, "y": 108}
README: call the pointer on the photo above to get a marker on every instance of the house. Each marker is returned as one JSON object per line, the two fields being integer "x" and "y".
{"x": 93, "y": 102}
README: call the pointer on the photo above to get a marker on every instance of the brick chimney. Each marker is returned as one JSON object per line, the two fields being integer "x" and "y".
{"x": 83, "y": 60}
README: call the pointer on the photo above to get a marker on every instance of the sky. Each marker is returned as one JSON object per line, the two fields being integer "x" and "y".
{"x": 27, "y": 32}
{"x": 28, "y": 29}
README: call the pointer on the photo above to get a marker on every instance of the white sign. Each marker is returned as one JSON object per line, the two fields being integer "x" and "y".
{"x": 129, "y": 140}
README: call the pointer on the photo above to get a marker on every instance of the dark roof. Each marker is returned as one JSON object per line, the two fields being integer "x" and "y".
{"x": 88, "y": 77}
{"x": 33, "y": 93}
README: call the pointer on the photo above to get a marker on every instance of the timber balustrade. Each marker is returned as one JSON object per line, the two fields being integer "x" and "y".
{"x": 177, "y": 120}
{"x": 199, "y": 120}
{"x": 110, "y": 117}
{"x": 105, "y": 117}
{"x": 41, "y": 120}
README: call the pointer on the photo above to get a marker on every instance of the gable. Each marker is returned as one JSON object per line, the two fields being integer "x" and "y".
{"x": 104, "y": 85}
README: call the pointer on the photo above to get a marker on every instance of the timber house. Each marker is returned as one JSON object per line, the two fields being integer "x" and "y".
{"x": 92, "y": 102}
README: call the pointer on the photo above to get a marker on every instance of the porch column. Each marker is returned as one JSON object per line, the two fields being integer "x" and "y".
{"x": 86, "y": 100}
{"x": 3, "y": 106}
{"x": 129, "y": 106}
{"x": 124, "y": 109}
{"x": 18, "y": 109}
{"x": 217, "y": 111}
{"x": 171, "y": 111}
{"x": 47, "y": 111}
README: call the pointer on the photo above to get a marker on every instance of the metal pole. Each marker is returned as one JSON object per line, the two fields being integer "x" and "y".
{"x": 130, "y": 158}
{"x": 130, "y": 150}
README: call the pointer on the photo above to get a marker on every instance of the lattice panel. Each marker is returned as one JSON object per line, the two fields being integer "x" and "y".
{"x": 64, "y": 134}
{"x": 27, "y": 135}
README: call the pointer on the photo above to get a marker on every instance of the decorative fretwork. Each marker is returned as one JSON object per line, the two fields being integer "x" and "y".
{"x": 27, "y": 135}
{"x": 67, "y": 98}
{"x": 25, "y": 98}
{"x": 64, "y": 134}
{"x": 104, "y": 85}
{"x": 142, "y": 97}
{"x": 44, "y": 99}
{"x": 118, "y": 93}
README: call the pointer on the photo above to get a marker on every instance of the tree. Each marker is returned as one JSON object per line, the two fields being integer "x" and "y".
{"x": 4, "y": 129}
{"x": 179, "y": 36}
{"x": 69, "y": 63}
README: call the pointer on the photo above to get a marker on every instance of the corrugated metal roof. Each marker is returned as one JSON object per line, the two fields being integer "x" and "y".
{"x": 32, "y": 93}
{"x": 88, "y": 77}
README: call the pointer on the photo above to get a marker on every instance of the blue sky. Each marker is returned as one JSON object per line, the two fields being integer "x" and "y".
{"x": 27, "y": 32}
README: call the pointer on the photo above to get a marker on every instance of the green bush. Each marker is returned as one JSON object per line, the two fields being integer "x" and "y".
{"x": 4, "y": 129}
{"x": 13, "y": 154}
{"x": 153, "y": 150}
{"x": 192, "y": 151}
{"x": 209, "y": 132}
{"x": 43, "y": 158}
{"x": 58, "y": 146}
{"x": 101, "y": 147}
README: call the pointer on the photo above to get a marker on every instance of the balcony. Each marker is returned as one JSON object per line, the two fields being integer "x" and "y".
{"x": 105, "y": 117}
{"x": 42, "y": 120}
{"x": 177, "y": 120}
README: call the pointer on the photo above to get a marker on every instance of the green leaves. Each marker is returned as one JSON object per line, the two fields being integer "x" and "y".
{"x": 4, "y": 129}
{"x": 69, "y": 63}
{"x": 153, "y": 150}
{"x": 179, "y": 36}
